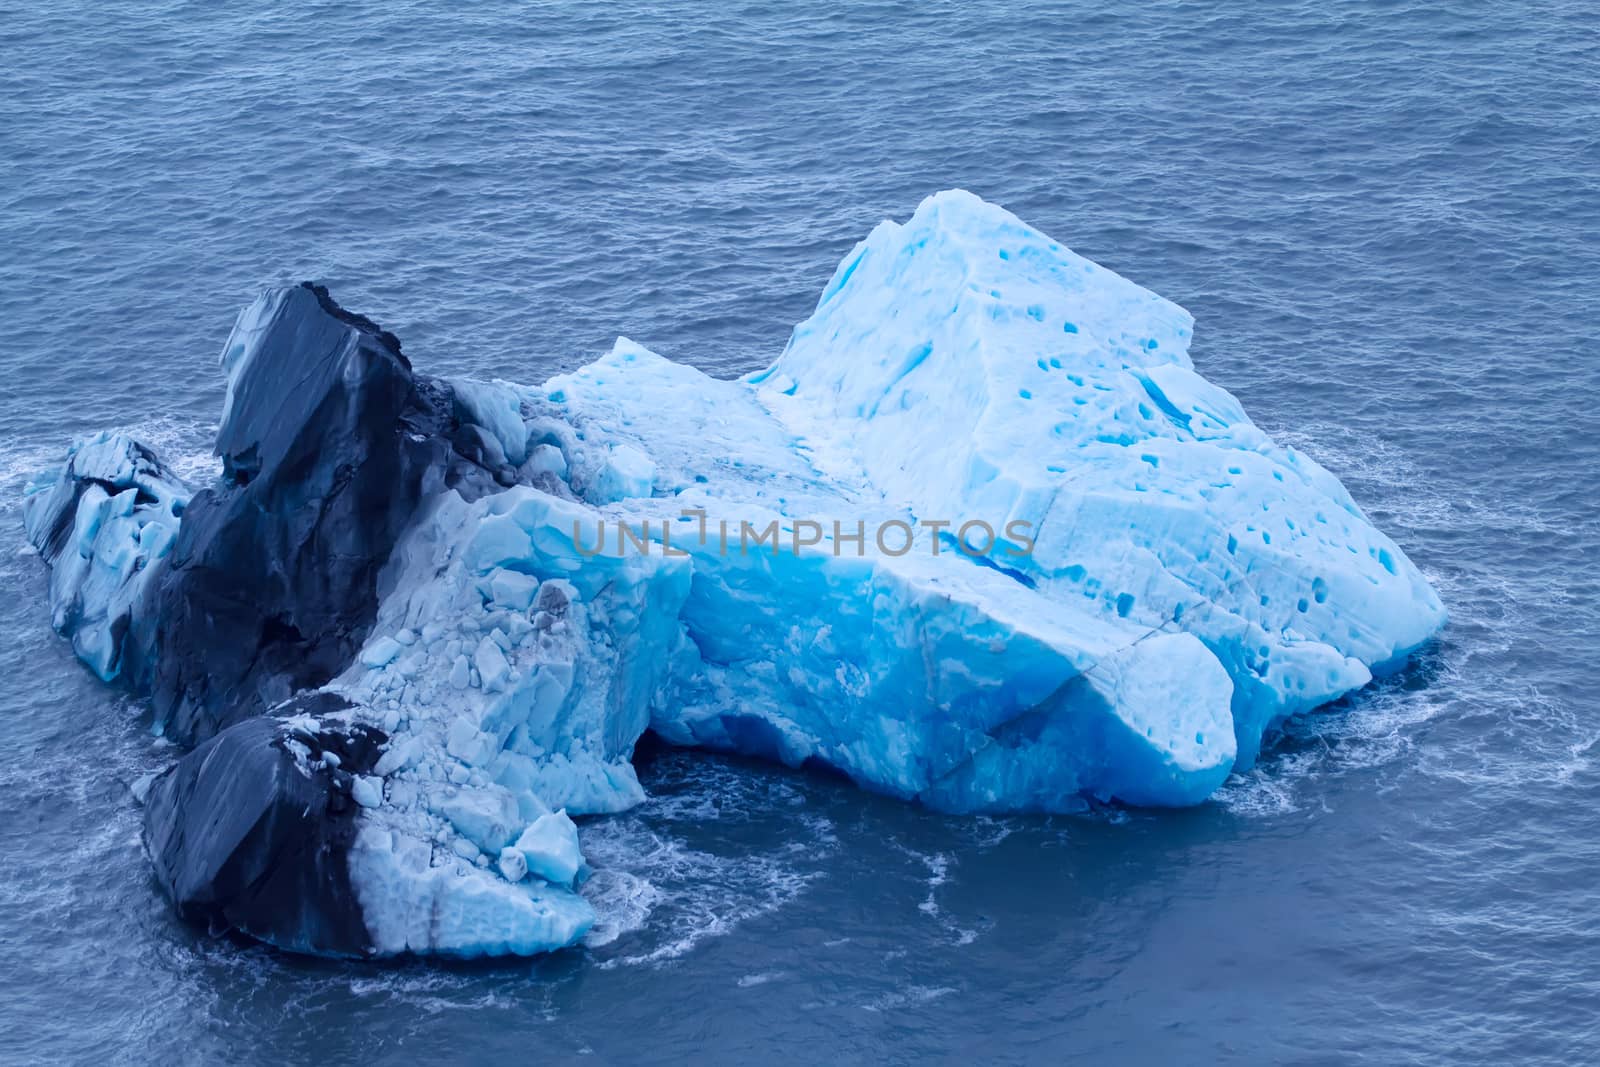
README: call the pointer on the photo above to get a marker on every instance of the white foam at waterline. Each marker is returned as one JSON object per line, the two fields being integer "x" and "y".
{"x": 712, "y": 791}
{"x": 646, "y": 879}
{"x": 1375, "y": 732}
{"x": 430, "y": 997}
{"x": 1380, "y": 727}
{"x": 984, "y": 832}
{"x": 622, "y": 903}
{"x": 1254, "y": 795}
{"x": 185, "y": 448}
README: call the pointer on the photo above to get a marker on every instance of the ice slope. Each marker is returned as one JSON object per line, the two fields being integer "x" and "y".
{"x": 967, "y": 365}
{"x": 924, "y": 676}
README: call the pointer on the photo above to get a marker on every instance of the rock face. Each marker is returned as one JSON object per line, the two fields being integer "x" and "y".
{"x": 252, "y": 830}
{"x": 329, "y": 443}
{"x": 981, "y": 538}
{"x": 265, "y": 589}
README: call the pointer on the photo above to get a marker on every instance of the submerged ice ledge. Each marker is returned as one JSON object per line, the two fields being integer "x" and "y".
{"x": 408, "y": 660}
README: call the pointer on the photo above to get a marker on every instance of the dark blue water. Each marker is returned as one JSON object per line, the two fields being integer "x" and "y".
{"x": 1385, "y": 218}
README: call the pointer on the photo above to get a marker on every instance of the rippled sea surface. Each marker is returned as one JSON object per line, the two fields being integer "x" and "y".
{"x": 1385, "y": 218}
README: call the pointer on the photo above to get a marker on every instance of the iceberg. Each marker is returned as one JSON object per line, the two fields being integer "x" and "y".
{"x": 980, "y": 538}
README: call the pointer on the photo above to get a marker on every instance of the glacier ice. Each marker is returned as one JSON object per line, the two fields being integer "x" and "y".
{"x": 920, "y": 675}
{"x": 1066, "y": 398}
{"x": 103, "y": 523}
{"x": 980, "y": 537}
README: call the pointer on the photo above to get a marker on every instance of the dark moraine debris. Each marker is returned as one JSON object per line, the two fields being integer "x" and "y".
{"x": 251, "y": 831}
{"x": 329, "y": 443}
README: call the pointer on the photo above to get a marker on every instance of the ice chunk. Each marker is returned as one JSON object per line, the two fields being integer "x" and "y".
{"x": 397, "y": 756}
{"x": 513, "y": 864}
{"x": 367, "y": 791}
{"x": 550, "y": 849}
{"x": 491, "y": 665}
{"x": 412, "y": 904}
{"x": 543, "y": 459}
{"x": 486, "y": 817}
{"x": 494, "y": 407}
{"x": 626, "y": 472}
{"x": 512, "y": 589}
{"x": 106, "y": 522}
{"x": 467, "y": 743}
{"x": 380, "y": 651}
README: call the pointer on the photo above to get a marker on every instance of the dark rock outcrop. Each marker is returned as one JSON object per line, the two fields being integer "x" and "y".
{"x": 251, "y": 830}
{"x": 246, "y": 596}
{"x": 329, "y": 445}
{"x": 232, "y": 605}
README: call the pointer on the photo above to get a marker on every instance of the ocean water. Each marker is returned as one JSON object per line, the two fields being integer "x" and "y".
{"x": 1385, "y": 218}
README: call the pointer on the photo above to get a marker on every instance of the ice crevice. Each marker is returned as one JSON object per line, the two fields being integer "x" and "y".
{"x": 407, "y": 665}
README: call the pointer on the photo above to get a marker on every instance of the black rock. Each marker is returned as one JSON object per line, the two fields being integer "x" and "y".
{"x": 252, "y": 830}
{"x": 247, "y": 596}
{"x": 329, "y": 445}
